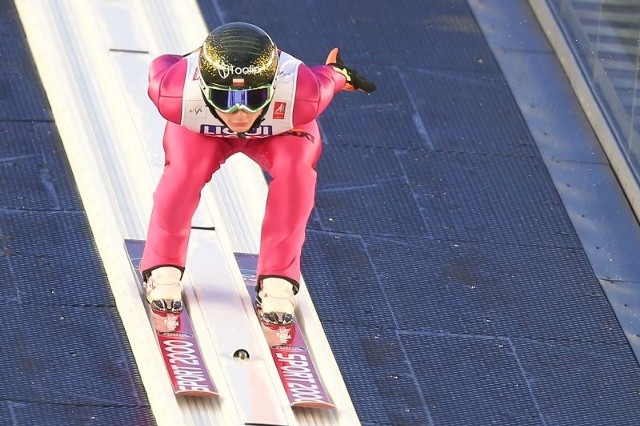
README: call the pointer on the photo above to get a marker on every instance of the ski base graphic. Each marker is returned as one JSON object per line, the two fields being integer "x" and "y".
{"x": 289, "y": 351}
{"x": 176, "y": 340}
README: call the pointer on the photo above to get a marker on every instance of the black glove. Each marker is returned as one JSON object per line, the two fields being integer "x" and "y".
{"x": 354, "y": 80}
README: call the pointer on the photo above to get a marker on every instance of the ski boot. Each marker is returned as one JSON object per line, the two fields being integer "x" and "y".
{"x": 164, "y": 289}
{"x": 276, "y": 301}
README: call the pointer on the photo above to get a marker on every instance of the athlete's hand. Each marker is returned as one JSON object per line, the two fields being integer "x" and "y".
{"x": 354, "y": 80}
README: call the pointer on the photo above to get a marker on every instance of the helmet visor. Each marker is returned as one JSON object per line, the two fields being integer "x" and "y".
{"x": 228, "y": 100}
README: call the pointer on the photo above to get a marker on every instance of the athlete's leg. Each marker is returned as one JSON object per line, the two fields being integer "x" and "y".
{"x": 290, "y": 160}
{"x": 190, "y": 161}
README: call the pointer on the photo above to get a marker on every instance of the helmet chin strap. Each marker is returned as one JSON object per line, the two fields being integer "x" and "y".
{"x": 253, "y": 127}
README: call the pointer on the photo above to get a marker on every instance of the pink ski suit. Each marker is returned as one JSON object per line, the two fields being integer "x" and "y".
{"x": 196, "y": 147}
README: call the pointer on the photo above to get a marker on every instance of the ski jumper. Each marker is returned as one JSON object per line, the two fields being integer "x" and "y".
{"x": 286, "y": 144}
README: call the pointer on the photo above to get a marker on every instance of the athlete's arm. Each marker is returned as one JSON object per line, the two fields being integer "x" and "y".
{"x": 316, "y": 86}
{"x": 166, "y": 85}
{"x": 315, "y": 89}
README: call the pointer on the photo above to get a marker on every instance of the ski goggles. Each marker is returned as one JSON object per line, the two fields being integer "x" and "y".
{"x": 229, "y": 100}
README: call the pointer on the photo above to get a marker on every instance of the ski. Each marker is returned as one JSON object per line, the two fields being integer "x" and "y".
{"x": 289, "y": 350}
{"x": 176, "y": 340}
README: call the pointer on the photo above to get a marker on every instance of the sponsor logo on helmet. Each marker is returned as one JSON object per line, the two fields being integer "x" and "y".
{"x": 228, "y": 70}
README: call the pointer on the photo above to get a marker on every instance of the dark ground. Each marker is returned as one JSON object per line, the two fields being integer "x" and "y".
{"x": 443, "y": 265}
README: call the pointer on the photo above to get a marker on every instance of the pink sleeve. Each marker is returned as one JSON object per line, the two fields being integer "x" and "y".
{"x": 166, "y": 85}
{"x": 315, "y": 89}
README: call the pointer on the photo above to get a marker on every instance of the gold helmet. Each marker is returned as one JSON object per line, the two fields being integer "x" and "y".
{"x": 237, "y": 65}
